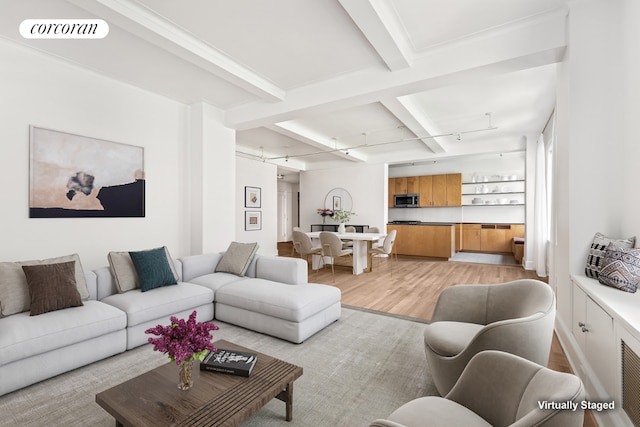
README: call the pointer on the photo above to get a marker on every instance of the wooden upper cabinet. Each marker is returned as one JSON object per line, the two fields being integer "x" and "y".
{"x": 413, "y": 185}
{"x": 454, "y": 189}
{"x": 401, "y": 185}
{"x": 391, "y": 191}
{"x": 426, "y": 190}
{"x": 434, "y": 190}
{"x": 439, "y": 197}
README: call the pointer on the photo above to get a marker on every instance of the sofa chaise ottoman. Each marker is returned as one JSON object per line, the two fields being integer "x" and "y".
{"x": 272, "y": 295}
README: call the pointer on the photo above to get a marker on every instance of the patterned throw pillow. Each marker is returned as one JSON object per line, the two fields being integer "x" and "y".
{"x": 620, "y": 268}
{"x": 597, "y": 250}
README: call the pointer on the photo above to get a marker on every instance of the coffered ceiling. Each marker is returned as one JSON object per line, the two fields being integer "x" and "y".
{"x": 312, "y": 84}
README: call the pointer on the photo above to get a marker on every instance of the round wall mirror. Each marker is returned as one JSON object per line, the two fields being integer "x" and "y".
{"x": 338, "y": 198}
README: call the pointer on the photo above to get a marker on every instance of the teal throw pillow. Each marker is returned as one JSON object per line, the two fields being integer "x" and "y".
{"x": 153, "y": 269}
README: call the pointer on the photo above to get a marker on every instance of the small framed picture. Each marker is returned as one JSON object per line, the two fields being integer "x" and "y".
{"x": 337, "y": 203}
{"x": 252, "y": 197}
{"x": 252, "y": 220}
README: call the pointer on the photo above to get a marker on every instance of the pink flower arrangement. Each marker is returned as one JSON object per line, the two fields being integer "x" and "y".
{"x": 325, "y": 212}
{"x": 183, "y": 340}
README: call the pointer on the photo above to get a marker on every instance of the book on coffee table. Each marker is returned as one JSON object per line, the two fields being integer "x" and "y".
{"x": 229, "y": 362}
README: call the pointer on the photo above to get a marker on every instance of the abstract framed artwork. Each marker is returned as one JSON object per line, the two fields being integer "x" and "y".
{"x": 252, "y": 197}
{"x": 79, "y": 176}
{"x": 252, "y": 220}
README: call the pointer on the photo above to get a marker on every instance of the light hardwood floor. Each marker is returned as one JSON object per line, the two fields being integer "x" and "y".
{"x": 411, "y": 285}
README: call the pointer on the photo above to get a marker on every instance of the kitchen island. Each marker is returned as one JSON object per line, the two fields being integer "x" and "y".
{"x": 424, "y": 238}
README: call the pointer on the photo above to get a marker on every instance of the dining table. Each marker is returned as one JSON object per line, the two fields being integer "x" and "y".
{"x": 362, "y": 243}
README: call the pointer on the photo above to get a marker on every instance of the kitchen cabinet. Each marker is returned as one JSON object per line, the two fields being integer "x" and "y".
{"x": 440, "y": 190}
{"x": 592, "y": 327}
{"x": 489, "y": 237}
{"x": 424, "y": 240}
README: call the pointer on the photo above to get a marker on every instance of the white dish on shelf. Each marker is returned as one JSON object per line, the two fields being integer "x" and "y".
{"x": 490, "y": 202}
{"x": 503, "y": 201}
{"x": 514, "y": 202}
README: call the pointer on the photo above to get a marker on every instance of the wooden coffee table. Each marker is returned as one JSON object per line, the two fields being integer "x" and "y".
{"x": 153, "y": 398}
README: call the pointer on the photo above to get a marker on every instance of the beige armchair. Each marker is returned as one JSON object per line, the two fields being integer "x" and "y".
{"x": 516, "y": 317}
{"x": 497, "y": 389}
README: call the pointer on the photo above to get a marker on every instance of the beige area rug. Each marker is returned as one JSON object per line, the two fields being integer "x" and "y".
{"x": 360, "y": 368}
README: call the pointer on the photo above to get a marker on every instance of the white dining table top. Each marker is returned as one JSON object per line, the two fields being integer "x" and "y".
{"x": 349, "y": 236}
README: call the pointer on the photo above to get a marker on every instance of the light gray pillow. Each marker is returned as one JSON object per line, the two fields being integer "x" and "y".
{"x": 14, "y": 291}
{"x": 237, "y": 258}
{"x": 124, "y": 272}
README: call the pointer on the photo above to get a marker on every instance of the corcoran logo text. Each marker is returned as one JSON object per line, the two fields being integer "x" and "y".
{"x": 64, "y": 29}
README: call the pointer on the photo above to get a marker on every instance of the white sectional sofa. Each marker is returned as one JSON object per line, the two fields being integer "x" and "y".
{"x": 272, "y": 296}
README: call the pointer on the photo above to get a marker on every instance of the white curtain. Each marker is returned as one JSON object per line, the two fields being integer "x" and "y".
{"x": 540, "y": 218}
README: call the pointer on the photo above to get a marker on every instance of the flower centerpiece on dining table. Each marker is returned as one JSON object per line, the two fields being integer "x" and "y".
{"x": 324, "y": 213}
{"x": 184, "y": 341}
{"x": 342, "y": 216}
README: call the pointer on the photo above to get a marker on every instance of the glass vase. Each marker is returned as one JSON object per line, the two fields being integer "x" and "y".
{"x": 185, "y": 379}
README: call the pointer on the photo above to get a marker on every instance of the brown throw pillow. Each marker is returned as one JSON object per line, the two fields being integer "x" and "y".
{"x": 52, "y": 287}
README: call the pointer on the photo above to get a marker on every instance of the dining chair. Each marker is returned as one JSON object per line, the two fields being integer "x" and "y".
{"x": 374, "y": 230}
{"x": 303, "y": 245}
{"x": 386, "y": 249}
{"x": 348, "y": 244}
{"x": 332, "y": 248}
{"x": 293, "y": 248}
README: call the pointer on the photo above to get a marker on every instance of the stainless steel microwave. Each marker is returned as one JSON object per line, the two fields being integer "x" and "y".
{"x": 406, "y": 200}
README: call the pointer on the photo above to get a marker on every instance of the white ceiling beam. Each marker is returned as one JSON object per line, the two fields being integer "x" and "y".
{"x": 155, "y": 29}
{"x": 533, "y": 43}
{"x": 416, "y": 121}
{"x": 379, "y": 22}
{"x": 322, "y": 143}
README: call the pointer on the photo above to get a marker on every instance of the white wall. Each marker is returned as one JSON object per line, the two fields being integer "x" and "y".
{"x": 592, "y": 141}
{"x": 211, "y": 178}
{"x": 45, "y": 92}
{"x": 264, "y": 175}
{"x": 631, "y": 112}
{"x": 366, "y": 183}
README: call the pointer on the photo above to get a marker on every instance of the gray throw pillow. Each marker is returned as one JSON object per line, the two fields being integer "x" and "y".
{"x": 597, "y": 250}
{"x": 620, "y": 268}
{"x": 237, "y": 258}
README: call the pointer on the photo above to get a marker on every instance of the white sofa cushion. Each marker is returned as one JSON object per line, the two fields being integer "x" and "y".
{"x": 215, "y": 281}
{"x": 160, "y": 302}
{"x": 24, "y": 336}
{"x": 289, "y": 302}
